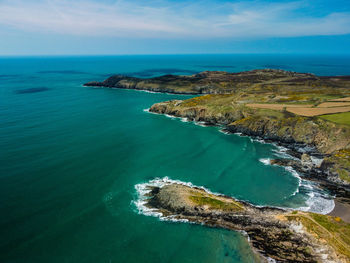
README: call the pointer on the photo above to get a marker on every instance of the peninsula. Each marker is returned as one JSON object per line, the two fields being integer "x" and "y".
{"x": 282, "y": 235}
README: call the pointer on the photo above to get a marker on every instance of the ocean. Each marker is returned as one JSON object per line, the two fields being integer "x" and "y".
{"x": 71, "y": 158}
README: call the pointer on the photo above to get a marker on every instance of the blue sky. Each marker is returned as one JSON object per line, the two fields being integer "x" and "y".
{"x": 66, "y": 27}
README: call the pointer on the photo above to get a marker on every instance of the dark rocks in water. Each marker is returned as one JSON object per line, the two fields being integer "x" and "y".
{"x": 32, "y": 90}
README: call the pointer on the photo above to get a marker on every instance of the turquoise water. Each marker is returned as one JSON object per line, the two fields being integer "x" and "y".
{"x": 70, "y": 157}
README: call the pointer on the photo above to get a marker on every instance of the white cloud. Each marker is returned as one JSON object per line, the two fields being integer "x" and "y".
{"x": 169, "y": 20}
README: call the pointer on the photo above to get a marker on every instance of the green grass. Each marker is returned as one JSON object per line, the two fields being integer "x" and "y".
{"x": 343, "y": 174}
{"x": 214, "y": 203}
{"x": 334, "y": 225}
{"x": 340, "y": 118}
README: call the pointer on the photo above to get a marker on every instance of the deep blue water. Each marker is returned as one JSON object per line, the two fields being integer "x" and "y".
{"x": 70, "y": 157}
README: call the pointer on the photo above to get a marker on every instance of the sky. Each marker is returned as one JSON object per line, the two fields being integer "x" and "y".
{"x": 124, "y": 27}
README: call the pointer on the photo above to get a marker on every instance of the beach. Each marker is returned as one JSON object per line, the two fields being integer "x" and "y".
{"x": 341, "y": 210}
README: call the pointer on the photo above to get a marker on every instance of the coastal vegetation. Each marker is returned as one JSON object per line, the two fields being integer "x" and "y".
{"x": 200, "y": 198}
{"x": 340, "y": 118}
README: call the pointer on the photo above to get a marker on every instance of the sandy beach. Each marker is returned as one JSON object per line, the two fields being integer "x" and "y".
{"x": 341, "y": 210}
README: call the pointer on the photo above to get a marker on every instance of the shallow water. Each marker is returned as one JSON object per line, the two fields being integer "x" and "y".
{"x": 72, "y": 155}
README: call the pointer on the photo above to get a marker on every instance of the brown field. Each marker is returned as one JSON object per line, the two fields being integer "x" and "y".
{"x": 306, "y": 110}
{"x": 276, "y": 106}
{"x": 342, "y": 99}
{"x": 333, "y": 104}
{"x": 317, "y": 111}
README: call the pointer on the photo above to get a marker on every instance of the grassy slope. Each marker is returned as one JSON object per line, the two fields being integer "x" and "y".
{"x": 340, "y": 118}
{"x": 213, "y": 202}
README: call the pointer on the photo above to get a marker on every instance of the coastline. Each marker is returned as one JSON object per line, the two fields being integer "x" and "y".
{"x": 310, "y": 139}
{"x": 282, "y": 151}
{"x": 306, "y": 159}
{"x": 309, "y": 149}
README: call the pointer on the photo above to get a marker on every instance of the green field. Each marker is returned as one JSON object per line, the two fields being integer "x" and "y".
{"x": 340, "y": 118}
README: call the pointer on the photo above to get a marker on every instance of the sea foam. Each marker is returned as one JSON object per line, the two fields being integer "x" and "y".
{"x": 317, "y": 200}
{"x": 266, "y": 161}
{"x": 143, "y": 190}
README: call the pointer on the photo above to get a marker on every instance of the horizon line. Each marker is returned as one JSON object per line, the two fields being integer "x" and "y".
{"x": 166, "y": 54}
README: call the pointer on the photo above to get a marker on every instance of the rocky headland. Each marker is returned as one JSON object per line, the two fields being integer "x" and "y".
{"x": 220, "y": 82}
{"x": 282, "y": 235}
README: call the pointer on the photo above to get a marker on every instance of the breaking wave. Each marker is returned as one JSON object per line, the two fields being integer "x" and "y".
{"x": 317, "y": 200}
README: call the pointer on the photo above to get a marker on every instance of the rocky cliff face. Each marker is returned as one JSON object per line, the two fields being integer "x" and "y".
{"x": 197, "y": 113}
{"x": 324, "y": 136}
{"x": 318, "y": 137}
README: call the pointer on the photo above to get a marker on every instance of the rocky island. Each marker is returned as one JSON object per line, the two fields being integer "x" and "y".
{"x": 308, "y": 114}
